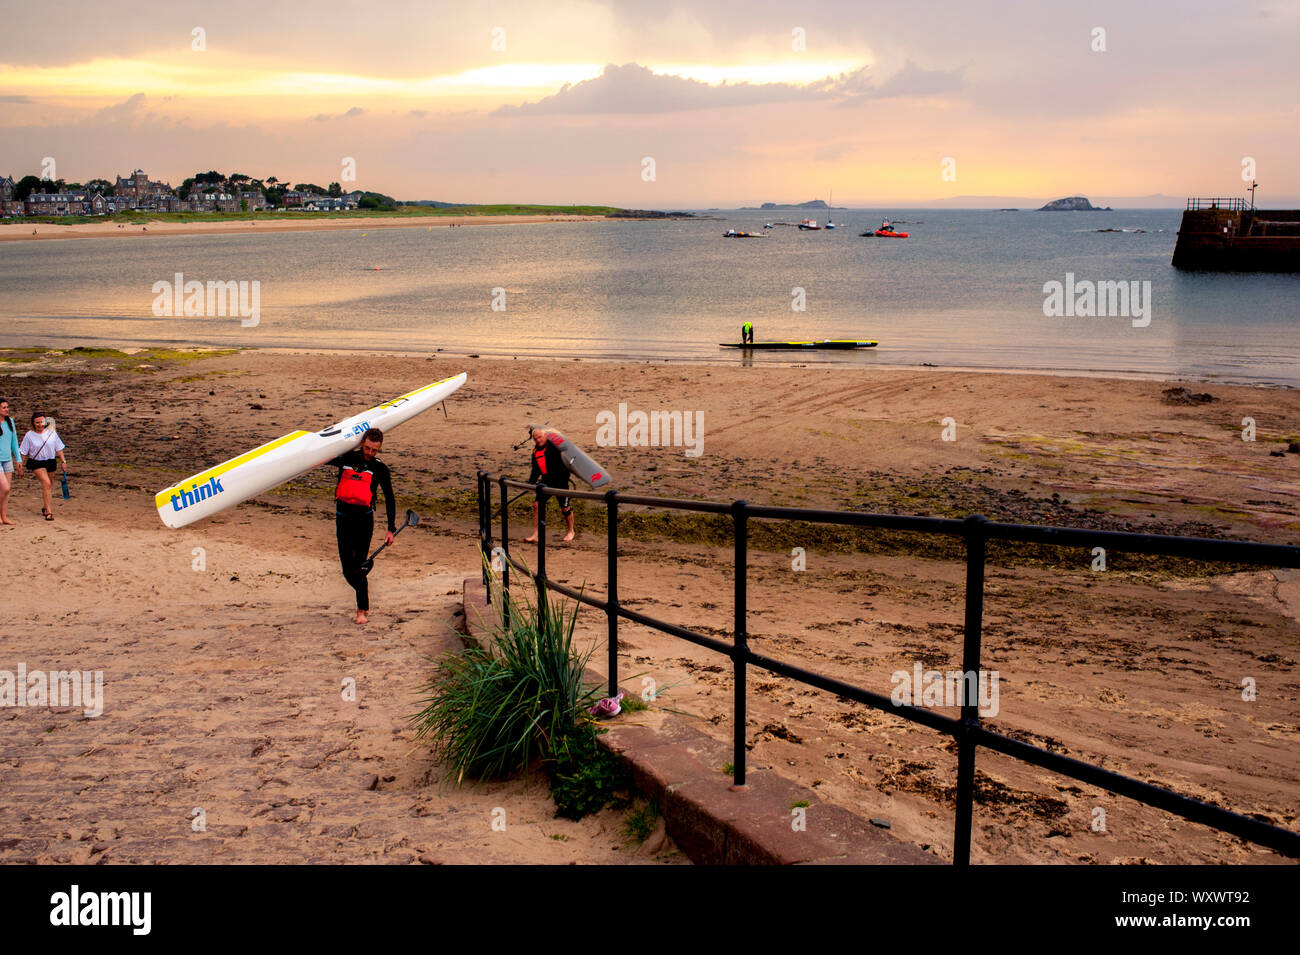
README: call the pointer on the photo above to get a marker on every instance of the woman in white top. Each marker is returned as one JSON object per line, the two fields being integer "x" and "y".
{"x": 10, "y": 457}
{"x": 40, "y": 447}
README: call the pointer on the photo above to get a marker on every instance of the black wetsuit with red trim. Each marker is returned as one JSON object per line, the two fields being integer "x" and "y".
{"x": 354, "y": 514}
{"x": 550, "y": 469}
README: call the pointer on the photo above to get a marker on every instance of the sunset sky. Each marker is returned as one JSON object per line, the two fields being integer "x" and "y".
{"x": 562, "y": 101}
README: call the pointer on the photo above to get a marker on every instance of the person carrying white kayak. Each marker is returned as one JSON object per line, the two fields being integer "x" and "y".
{"x": 361, "y": 475}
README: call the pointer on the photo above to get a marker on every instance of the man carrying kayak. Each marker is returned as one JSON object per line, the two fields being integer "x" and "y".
{"x": 549, "y": 468}
{"x": 361, "y": 474}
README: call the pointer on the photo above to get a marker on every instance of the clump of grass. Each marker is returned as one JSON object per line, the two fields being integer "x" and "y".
{"x": 641, "y": 821}
{"x": 496, "y": 711}
{"x": 633, "y": 704}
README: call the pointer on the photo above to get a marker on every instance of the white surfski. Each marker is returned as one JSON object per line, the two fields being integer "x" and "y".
{"x": 275, "y": 462}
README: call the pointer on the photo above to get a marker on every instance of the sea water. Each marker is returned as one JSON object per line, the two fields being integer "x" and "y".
{"x": 966, "y": 289}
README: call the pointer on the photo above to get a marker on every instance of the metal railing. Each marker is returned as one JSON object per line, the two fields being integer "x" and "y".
{"x": 967, "y": 730}
{"x": 1227, "y": 204}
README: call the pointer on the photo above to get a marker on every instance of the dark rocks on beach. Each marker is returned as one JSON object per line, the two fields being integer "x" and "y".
{"x": 1277, "y": 454}
{"x": 1181, "y": 396}
{"x": 1293, "y": 447}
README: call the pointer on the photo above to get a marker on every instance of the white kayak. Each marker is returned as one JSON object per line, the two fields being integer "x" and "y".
{"x": 275, "y": 462}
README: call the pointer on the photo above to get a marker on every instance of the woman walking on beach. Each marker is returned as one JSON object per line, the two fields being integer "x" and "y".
{"x": 11, "y": 459}
{"x": 40, "y": 448}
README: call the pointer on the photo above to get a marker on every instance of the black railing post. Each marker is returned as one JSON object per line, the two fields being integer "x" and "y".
{"x": 541, "y": 547}
{"x": 611, "y": 574}
{"x": 505, "y": 554}
{"x": 976, "y": 537}
{"x": 485, "y": 529}
{"x": 741, "y": 645}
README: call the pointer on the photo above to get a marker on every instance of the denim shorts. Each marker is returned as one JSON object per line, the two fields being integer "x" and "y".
{"x": 6, "y": 466}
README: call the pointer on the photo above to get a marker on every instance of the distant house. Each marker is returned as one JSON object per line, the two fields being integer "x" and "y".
{"x": 254, "y": 198}
{"x": 139, "y": 186}
{"x": 12, "y": 207}
{"x": 7, "y": 187}
{"x": 330, "y": 203}
{"x": 56, "y": 204}
{"x": 292, "y": 197}
{"x": 97, "y": 205}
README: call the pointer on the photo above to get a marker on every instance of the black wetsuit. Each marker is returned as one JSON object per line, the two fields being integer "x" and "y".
{"x": 354, "y": 514}
{"x": 549, "y": 467}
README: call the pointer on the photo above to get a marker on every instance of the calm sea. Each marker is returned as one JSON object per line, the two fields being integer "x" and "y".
{"x": 965, "y": 290}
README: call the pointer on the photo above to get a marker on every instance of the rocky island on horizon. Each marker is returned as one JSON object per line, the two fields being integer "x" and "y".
{"x": 1073, "y": 204}
{"x": 781, "y": 206}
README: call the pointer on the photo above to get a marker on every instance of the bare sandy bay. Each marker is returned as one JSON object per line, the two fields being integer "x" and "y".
{"x": 221, "y": 683}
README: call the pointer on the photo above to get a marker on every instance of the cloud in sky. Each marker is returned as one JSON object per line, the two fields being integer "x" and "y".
{"x": 632, "y": 88}
{"x": 325, "y": 117}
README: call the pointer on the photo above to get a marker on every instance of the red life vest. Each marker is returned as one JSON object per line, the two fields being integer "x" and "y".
{"x": 539, "y": 455}
{"x": 355, "y": 487}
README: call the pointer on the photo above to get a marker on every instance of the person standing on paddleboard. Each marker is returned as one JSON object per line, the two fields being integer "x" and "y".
{"x": 549, "y": 468}
{"x": 361, "y": 475}
{"x": 41, "y": 447}
{"x": 747, "y": 333}
{"x": 10, "y": 458}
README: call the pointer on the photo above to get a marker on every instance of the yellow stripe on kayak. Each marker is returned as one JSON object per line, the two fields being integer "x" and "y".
{"x": 164, "y": 496}
{"x": 411, "y": 394}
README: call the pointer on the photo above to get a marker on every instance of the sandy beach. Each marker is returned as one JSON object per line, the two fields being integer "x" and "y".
{"x": 272, "y": 222}
{"x": 222, "y": 682}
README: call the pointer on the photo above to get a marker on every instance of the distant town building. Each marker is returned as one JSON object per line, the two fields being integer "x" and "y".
{"x": 138, "y": 186}
{"x": 56, "y": 204}
{"x": 329, "y": 203}
{"x": 7, "y": 187}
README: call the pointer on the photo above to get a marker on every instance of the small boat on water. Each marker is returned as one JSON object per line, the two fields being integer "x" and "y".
{"x": 886, "y": 231}
{"x": 800, "y": 346}
{"x": 733, "y": 234}
{"x": 810, "y": 225}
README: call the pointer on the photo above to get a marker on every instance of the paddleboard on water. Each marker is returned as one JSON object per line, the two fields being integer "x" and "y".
{"x": 232, "y": 482}
{"x": 790, "y": 346}
{"x": 576, "y": 460}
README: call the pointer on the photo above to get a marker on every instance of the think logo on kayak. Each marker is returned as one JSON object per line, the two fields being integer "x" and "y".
{"x": 188, "y": 497}
{"x": 195, "y": 299}
{"x": 654, "y": 429}
{"x": 1106, "y": 299}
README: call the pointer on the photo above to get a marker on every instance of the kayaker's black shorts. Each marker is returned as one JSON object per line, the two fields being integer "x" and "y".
{"x": 48, "y": 464}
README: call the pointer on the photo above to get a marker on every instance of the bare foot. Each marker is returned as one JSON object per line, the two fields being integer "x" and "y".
{"x": 531, "y": 540}
{"x": 568, "y": 537}
{"x": 5, "y": 520}
{"x": 361, "y": 617}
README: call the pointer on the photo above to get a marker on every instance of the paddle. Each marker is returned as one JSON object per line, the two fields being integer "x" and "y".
{"x": 412, "y": 519}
